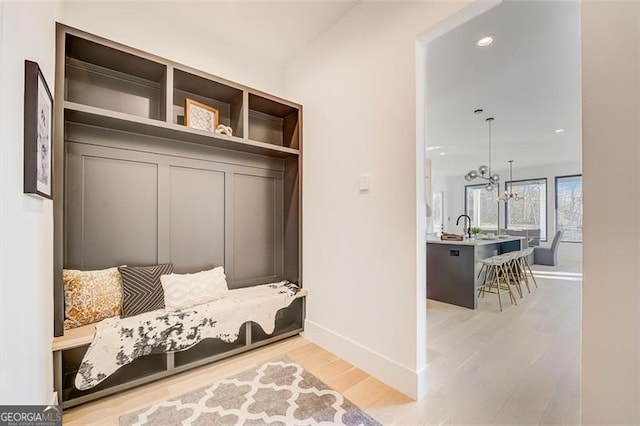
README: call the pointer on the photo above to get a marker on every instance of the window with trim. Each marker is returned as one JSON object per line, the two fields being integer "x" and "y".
{"x": 569, "y": 207}
{"x": 482, "y": 207}
{"x": 531, "y": 212}
{"x": 438, "y": 212}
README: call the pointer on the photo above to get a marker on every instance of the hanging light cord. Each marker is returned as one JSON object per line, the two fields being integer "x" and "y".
{"x": 484, "y": 172}
{"x": 509, "y": 194}
{"x": 510, "y": 176}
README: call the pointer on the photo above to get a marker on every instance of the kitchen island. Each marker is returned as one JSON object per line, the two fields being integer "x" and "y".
{"x": 452, "y": 267}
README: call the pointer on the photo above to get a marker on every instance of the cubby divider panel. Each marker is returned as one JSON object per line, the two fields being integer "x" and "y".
{"x": 107, "y": 78}
{"x": 226, "y": 99}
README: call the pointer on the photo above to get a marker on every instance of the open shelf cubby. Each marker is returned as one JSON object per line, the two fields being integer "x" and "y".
{"x": 273, "y": 122}
{"x": 226, "y": 99}
{"x": 288, "y": 320}
{"x": 146, "y": 367}
{"x": 107, "y": 78}
{"x": 209, "y": 348}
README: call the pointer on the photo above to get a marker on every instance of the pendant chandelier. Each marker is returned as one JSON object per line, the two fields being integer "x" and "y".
{"x": 484, "y": 172}
{"x": 510, "y": 195}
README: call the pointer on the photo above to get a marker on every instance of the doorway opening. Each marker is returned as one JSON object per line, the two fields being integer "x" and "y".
{"x": 499, "y": 113}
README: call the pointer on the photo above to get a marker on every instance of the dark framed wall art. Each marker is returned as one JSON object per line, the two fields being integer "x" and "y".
{"x": 38, "y": 132}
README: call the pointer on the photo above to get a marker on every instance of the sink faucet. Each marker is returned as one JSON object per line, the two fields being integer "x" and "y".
{"x": 469, "y": 228}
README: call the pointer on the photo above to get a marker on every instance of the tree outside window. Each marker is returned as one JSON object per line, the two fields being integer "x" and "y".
{"x": 482, "y": 207}
{"x": 531, "y": 212}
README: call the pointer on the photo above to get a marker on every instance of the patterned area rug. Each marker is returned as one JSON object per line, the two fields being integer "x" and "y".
{"x": 277, "y": 393}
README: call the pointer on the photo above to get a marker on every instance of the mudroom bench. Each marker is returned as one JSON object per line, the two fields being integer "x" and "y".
{"x": 156, "y": 162}
{"x": 69, "y": 350}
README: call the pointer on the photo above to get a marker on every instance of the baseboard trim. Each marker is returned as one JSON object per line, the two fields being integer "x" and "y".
{"x": 54, "y": 399}
{"x": 410, "y": 382}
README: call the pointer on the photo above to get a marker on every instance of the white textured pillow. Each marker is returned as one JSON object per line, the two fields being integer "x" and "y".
{"x": 185, "y": 290}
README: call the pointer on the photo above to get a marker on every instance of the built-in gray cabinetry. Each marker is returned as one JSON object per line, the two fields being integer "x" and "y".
{"x": 133, "y": 185}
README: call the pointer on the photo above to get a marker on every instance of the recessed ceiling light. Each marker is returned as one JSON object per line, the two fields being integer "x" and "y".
{"x": 484, "y": 41}
{"x": 443, "y": 153}
{"x": 559, "y": 130}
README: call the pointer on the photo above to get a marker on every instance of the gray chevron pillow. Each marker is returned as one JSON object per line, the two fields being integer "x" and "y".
{"x": 141, "y": 288}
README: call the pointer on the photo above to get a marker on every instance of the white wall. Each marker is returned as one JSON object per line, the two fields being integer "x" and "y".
{"x": 453, "y": 187}
{"x": 26, "y": 222}
{"x": 151, "y": 27}
{"x": 357, "y": 83}
{"x": 611, "y": 155}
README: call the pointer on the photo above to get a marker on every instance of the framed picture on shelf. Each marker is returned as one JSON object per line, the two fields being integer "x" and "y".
{"x": 38, "y": 132}
{"x": 200, "y": 116}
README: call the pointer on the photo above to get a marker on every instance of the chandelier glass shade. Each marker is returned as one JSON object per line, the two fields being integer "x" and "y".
{"x": 507, "y": 196}
{"x": 484, "y": 172}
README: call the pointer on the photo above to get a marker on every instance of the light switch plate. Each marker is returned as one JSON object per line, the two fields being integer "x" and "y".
{"x": 364, "y": 182}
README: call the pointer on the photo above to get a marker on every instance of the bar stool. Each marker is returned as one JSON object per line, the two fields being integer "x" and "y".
{"x": 515, "y": 273}
{"x": 522, "y": 270}
{"x": 497, "y": 276}
{"x": 526, "y": 268}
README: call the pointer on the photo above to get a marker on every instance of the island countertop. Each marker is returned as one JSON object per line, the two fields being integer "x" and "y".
{"x": 472, "y": 241}
{"x": 453, "y": 267}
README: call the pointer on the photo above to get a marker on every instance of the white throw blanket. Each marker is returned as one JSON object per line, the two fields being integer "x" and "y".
{"x": 119, "y": 341}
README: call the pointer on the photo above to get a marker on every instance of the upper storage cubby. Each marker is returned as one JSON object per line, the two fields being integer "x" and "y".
{"x": 116, "y": 87}
{"x": 111, "y": 79}
{"x": 273, "y": 122}
{"x": 227, "y": 100}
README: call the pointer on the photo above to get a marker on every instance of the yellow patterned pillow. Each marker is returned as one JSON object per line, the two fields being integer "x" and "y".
{"x": 91, "y": 296}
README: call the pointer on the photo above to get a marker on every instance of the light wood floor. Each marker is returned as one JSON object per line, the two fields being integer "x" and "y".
{"x": 520, "y": 366}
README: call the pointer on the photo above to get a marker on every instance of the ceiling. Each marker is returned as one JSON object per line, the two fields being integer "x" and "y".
{"x": 528, "y": 79}
{"x": 266, "y": 30}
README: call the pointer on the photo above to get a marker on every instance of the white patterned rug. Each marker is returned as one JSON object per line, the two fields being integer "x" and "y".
{"x": 277, "y": 393}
